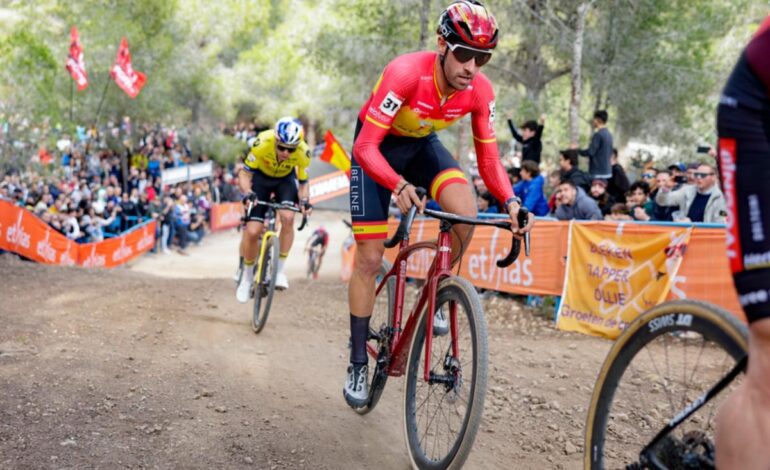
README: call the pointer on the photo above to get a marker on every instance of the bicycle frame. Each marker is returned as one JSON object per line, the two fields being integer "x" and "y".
{"x": 439, "y": 269}
{"x": 269, "y": 232}
{"x": 269, "y": 228}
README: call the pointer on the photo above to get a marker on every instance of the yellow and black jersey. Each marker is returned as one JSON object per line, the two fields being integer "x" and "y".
{"x": 262, "y": 157}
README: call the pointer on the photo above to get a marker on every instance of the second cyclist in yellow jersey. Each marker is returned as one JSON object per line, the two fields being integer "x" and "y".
{"x": 276, "y": 165}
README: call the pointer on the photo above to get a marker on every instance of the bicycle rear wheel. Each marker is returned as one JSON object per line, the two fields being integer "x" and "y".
{"x": 379, "y": 337}
{"x": 442, "y": 416}
{"x": 265, "y": 286}
{"x": 665, "y": 359}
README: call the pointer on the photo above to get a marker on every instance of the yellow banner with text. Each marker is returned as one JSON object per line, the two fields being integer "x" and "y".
{"x": 613, "y": 276}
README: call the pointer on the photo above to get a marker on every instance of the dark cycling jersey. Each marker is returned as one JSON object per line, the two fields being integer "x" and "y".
{"x": 749, "y": 83}
{"x": 406, "y": 102}
{"x": 320, "y": 237}
{"x": 743, "y": 122}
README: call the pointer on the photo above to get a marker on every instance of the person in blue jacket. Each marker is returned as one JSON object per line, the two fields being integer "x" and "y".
{"x": 530, "y": 188}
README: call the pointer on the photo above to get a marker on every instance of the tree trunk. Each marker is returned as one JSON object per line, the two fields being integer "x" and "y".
{"x": 609, "y": 50}
{"x": 577, "y": 83}
{"x": 424, "y": 21}
{"x": 310, "y": 136}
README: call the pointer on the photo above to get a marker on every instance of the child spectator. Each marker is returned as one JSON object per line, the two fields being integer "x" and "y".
{"x": 487, "y": 204}
{"x": 638, "y": 201}
{"x": 530, "y": 188}
{"x": 530, "y": 139}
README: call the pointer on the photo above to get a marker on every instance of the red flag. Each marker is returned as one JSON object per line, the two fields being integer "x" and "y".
{"x": 75, "y": 63}
{"x": 334, "y": 154}
{"x": 124, "y": 74}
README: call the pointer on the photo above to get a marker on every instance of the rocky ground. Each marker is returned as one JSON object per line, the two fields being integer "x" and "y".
{"x": 125, "y": 369}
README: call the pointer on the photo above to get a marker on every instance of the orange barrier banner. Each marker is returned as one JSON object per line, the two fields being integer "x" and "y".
{"x": 119, "y": 250}
{"x": 542, "y": 273}
{"x": 329, "y": 186}
{"x": 226, "y": 215}
{"x": 23, "y": 233}
{"x": 613, "y": 275}
{"x": 348, "y": 255}
{"x": 703, "y": 270}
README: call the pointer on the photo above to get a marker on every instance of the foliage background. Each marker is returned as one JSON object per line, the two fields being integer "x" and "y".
{"x": 656, "y": 65}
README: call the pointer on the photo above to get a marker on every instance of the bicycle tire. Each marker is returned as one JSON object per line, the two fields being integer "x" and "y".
{"x": 265, "y": 288}
{"x": 311, "y": 263}
{"x": 381, "y": 338}
{"x": 316, "y": 263}
{"x": 712, "y": 323}
{"x": 460, "y": 291}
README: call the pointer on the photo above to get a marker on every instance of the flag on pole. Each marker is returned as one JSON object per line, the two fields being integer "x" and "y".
{"x": 75, "y": 63}
{"x": 334, "y": 154}
{"x": 124, "y": 74}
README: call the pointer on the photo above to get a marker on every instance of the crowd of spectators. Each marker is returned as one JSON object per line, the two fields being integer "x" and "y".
{"x": 677, "y": 193}
{"x": 79, "y": 188}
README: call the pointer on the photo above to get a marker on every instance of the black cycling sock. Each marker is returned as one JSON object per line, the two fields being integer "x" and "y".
{"x": 359, "y": 333}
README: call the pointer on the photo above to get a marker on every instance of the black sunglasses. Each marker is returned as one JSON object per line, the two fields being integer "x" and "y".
{"x": 281, "y": 148}
{"x": 464, "y": 54}
{"x": 701, "y": 175}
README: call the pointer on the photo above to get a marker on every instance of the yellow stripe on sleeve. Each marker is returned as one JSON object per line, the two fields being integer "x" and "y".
{"x": 485, "y": 141}
{"x": 376, "y": 123}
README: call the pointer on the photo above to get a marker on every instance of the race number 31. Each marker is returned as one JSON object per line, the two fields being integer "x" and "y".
{"x": 390, "y": 104}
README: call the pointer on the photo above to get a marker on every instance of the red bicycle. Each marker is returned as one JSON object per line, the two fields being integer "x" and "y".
{"x": 446, "y": 371}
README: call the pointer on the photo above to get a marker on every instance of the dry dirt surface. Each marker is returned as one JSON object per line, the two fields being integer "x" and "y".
{"x": 129, "y": 369}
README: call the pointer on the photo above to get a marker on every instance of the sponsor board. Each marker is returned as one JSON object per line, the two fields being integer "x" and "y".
{"x": 23, "y": 233}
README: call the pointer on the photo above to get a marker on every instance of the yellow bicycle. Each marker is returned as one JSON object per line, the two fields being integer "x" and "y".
{"x": 267, "y": 262}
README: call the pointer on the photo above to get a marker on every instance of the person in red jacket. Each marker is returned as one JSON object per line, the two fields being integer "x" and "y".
{"x": 396, "y": 150}
{"x": 743, "y": 124}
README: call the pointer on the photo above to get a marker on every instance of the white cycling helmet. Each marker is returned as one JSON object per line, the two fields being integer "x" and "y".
{"x": 288, "y": 131}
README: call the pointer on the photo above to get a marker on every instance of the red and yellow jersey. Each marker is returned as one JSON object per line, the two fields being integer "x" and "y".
{"x": 406, "y": 101}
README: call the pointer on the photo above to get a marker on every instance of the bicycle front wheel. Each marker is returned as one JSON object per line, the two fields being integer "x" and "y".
{"x": 442, "y": 415}
{"x": 311, "y": 262}
{"x": 662, "y": 362}
{"x": 265, "y": 286}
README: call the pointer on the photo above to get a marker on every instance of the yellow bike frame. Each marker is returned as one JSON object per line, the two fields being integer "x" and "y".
{"x": 263, "y": 243}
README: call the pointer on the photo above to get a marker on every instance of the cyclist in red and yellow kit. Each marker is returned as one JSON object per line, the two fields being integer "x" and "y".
{"x": 396, "y": 150}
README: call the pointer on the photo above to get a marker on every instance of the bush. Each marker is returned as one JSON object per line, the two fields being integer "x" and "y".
{"x": 223, "y": 149}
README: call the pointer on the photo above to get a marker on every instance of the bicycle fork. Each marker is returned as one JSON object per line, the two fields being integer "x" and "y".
{"x": 263, "y": 246}
{"x": 441, "y": 268}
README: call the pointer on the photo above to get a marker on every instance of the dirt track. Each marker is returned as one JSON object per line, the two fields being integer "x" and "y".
{"x": 123, "y": 369}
